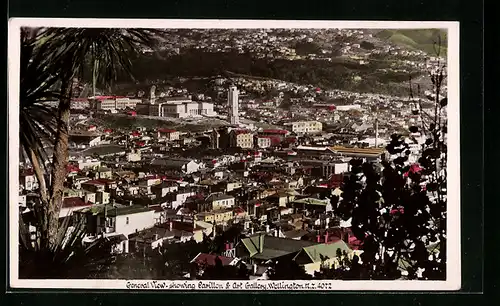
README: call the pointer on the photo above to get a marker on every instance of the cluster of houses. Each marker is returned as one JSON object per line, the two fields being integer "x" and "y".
{"x": 145, "y": 197}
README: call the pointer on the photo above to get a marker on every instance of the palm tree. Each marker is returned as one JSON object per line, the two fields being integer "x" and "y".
{"x": 50, "y": 60}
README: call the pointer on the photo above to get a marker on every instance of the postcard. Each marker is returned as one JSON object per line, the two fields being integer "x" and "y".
{"x": 234, "y": 155}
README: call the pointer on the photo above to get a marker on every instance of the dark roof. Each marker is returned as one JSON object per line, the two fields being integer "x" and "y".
{"x": 166, "y": 131}
{"x": 295, "y": 233}
{"x": 74, "y": 202}
{"x": 209, "y": 259}
{"x": 273, "y": 247}
{"x": 170, "y": 162}
{"x": 147, "y": 235}
{"x": 219, "y": 197}
{"x": 128, "y": 210}
{"x": 116, "y": 238}
{"x": 94, "y": 182}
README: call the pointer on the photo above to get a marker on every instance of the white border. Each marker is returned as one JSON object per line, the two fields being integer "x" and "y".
{"x": 453, "y": 227}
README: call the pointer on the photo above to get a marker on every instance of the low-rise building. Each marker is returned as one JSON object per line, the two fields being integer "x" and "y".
{"x": 307, "y": 127}
{"x": 168, "y": 134}
{"x": 221, "y": 201}
{"x": 125, "y": 219}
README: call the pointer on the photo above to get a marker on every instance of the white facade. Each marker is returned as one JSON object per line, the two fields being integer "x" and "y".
{"x": 307, "y": 127}
{"x": 128, "y": 224}
{"x": 133, "y": 157}
{"x": 29, "y": 182}
{"x": 223, "y": 203}
{"x": 185, "y": 109}
{"x": 95, "y": 142}
{"x": 192, "y": 167}
{"x": 118, "y": 103}
{"x": 181, "y": 198}
{"x": 347, "y": 107}
{"x": 263, "y": 142}
{"x": 233, "y": 103}
{"x": 89, "y": 164}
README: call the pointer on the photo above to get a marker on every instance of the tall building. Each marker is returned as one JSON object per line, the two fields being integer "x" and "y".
{"x": 152, "y": 96}
{"x": 232, "y": 101}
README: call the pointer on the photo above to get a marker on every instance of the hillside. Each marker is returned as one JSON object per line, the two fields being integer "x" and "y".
{"x": 337, "y": 74}
{"x": 421, "y": 39}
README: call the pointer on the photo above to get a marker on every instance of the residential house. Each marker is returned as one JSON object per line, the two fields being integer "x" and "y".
{"x": 177, "y": 198}
{"x": 71, "y": 193}
{"x": 28, "y": 181}
{"x": 282, "y": 198}
{"x": 203, "y": 260}
{"x": 312, "y": 205}
{"x": 183, "y": 165}
{"x": 98, "y": 187}
{"x": 259, "y": 248}
{"x": 134, "y": 156}
{"x": 162, "y": 189}
{"x": 219, "y": 217}
{"x": 184, "y": 231}
{"x": 167, "y": 134}
{"x": 77, "y": 180}
{"x": 124, "y": 219}
{"x": 94, "y": 186}
{"x": 207, "y": 228}
{"x": 83, "y": 141}
{"x": 150, "y": 239}
{"x": 221, "y": 201}
{"x": 71, "y": 204}
{"x": 314, "y": 257}
{"x": 88, "y": 164}
{"x": 104, "y": 173}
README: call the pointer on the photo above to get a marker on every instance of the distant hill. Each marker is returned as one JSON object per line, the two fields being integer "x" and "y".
{"x": 419, "y": 39}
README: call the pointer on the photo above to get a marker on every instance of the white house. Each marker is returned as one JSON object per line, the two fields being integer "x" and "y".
{"x": 28, "y": 181}
{"x": 221, "y": 201}
{"x": 180, "y": 197}
{"x": 125, "y": 220}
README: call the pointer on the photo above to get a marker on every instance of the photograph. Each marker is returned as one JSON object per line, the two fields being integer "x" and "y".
{"x": 251, "y": 155}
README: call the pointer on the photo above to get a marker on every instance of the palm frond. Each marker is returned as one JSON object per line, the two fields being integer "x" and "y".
{"x": 110, "y": 49}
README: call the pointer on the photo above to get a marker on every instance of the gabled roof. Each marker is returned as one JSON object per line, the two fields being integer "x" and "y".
{"x": 209, "y": 259}
{"x": 273, "y": 247}
{"x": 316, "y": 252}
{"x": 72, "y": 202}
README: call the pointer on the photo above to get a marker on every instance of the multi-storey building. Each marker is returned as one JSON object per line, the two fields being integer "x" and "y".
{"x": 307, "y": 127}
{"x": 233, "y": 104}
{"x": 241, "y": 138}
